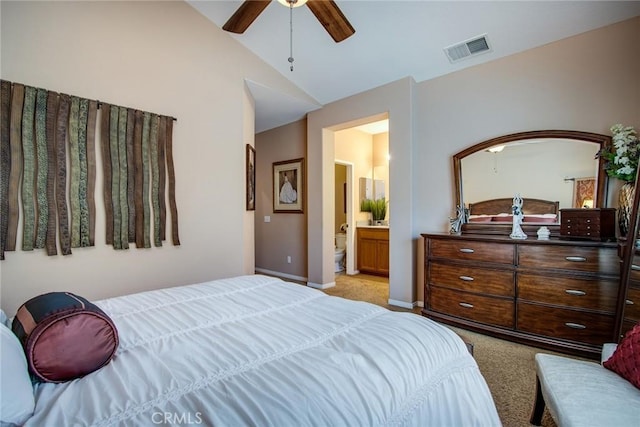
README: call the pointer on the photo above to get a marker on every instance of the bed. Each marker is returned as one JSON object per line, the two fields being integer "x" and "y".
{"x": 499, "y": 210}
{"x": 256, "y": 350}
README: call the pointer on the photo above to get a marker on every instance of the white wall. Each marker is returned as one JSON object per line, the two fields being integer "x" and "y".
{"x": 587, "y": 82}
{"x": 396, "y": 100}
{"x": 162, "y": 57}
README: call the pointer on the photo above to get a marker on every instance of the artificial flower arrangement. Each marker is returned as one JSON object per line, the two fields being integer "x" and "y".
{"x": 621, "y": 161}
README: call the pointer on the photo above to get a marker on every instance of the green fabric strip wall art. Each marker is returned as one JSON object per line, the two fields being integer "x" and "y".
{"x": 53, "y": 100}
{"x": 15, "y": 174}
{"x": 42, "y": 161}
{"x": 5, "y": 162}
{"x": 62, "y": 124}
{"x": 29, "y": 170}
{"x": 74, "y": 169}
{"x": 48, "y": 143}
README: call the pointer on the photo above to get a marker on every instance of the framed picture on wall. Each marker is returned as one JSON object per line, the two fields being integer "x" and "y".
{"x": 251, "y": 178}
{"x": 288, "y": 186}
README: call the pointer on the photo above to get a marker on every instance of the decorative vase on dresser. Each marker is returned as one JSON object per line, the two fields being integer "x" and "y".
{"x": 625, "y": 201}
{"x": 555, "y": 294}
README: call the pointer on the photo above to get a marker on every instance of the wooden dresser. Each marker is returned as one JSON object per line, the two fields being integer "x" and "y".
{"x": 632, "y": 302}
{"x": 556, "y": 294}
{"x": 372, "y": 247}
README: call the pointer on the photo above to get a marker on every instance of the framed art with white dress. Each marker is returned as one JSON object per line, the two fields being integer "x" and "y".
{"x": 288, "y": 186}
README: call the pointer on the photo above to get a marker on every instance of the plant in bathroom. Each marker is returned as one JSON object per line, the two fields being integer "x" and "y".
{"x": 365, "y": 205}
{"x": 379, "y": 209}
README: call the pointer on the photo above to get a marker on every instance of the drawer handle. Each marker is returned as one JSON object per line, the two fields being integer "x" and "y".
{"x": 635, "y": 267}
{"x": 465, "y": 305}
{"x": 575, "y": 258}
{"x": 466, "y": 278}
{"x": 575, "y": 325}
{"x": 629, "y": 302}
{"x": 466, "y": 250}
{"x": 575, "y": 292}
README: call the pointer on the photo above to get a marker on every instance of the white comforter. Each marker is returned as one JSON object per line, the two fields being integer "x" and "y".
{"x": 258, "y": 351}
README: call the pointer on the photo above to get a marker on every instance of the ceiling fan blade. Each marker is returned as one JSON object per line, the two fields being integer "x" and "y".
{"x": 245, "y": 15}
{"x": 331, "y": 18}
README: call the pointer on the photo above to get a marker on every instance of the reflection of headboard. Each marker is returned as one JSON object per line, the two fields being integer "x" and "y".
{"x": 500, "y": 206}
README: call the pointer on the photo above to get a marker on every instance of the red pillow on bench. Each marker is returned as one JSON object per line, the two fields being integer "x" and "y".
{"x": 625, "y": 361}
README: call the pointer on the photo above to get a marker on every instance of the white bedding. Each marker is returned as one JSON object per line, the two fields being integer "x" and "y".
{"x": 257, "y": 351}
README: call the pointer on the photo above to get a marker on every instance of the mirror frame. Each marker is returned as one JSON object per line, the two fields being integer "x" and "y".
{"x": 602, "y": 140}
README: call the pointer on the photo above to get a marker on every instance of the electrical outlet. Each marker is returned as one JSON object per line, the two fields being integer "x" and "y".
{"x": 288, "y": 259}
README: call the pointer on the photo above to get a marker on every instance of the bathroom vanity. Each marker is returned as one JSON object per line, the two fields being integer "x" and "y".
{"x": 372, "y": 248}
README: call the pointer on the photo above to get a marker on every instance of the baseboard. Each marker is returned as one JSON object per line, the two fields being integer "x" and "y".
{"x": 281, "y": 275}
{"x": 400, "y": 304}
{"x": 321, "y": 285}
{"x": 419, "y": 304}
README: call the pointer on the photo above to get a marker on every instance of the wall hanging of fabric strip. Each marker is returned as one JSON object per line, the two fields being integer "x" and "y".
{"x": 42, "y": 132}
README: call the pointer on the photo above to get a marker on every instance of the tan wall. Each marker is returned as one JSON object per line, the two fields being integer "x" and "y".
{"x": 393, "y": 101}
{"x": 340, "y": 197}
{"x": 587, "y": 82}
{"x": 354, "y": 146}
{"x": 285, "y": 235}
{"x": 162, "y": 57}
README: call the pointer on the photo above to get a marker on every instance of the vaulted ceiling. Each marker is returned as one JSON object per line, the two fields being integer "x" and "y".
{"x": 396, "y": 39}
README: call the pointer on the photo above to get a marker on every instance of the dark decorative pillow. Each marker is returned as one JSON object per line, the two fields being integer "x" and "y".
{"x": 625, "y": 361}
{"x": 64, "y": 336}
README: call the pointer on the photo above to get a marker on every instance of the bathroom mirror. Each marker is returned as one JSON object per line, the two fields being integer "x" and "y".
{"x": 366, "y": 189}
{"x": 371, "y": 189}
{"x": 548, "y": 165}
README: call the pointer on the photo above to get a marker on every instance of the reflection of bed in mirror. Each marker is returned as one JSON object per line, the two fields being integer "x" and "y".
{"x": 499, "y": 210}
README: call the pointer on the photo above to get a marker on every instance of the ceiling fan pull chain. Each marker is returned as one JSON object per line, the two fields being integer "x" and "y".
{"x": 291, "y": 2}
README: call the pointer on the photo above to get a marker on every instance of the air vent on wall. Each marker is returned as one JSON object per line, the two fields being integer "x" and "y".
{"x": 471, "y": 47}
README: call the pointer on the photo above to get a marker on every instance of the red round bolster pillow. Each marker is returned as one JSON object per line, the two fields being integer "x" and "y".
{"x": 64, "y": 336}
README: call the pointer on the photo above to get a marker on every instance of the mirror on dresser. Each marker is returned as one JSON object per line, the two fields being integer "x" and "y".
{"x": 629, "y": 299}
{"x": 552, "y": 169}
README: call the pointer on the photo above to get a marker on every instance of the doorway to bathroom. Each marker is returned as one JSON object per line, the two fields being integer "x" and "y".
{"x": 364, "y": 147}
{"x": 344, "y": 220}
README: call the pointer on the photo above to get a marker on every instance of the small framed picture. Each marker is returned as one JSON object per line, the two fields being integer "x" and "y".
{"x": 288, "y": 186}
{"x": 251, "y": 178}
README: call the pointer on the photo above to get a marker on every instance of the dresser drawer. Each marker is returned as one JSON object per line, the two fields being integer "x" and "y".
{"x": 575, "y": 258}
{"x": 594, "y": 224}
{"x": 473, "y": 279}
{"x": 591, "y": 294}
{"x": 565, "y": 324}
{"x": 472, "y": 251}
{"x": 632, "y": 307}
{"x": 483, "y": 309}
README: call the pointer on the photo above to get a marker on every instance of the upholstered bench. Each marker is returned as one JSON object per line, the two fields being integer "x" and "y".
{"x": 581, "y": 393}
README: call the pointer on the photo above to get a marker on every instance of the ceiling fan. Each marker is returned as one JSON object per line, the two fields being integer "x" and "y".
{"x": 326, "y": 11}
